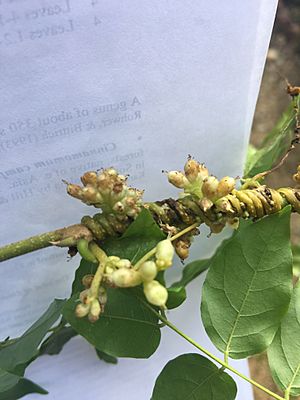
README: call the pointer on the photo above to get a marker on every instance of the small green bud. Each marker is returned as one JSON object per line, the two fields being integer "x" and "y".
{"x": 155, "y": 293}
{"x": 164, "y": 254}
{"x": 148, "y": 271}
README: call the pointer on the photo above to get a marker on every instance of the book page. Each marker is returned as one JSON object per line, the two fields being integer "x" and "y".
{"x": 134, "y": 85}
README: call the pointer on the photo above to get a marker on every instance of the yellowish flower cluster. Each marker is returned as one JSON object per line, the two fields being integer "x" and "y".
{"x": 117, "y": 272}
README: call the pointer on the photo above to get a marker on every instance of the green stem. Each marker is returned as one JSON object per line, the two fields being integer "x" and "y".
{"x": 287, "y": 395}
{"x": 101, "y": 258}
{"x": 62, "y": 237}
{"x": 213, "y": 357}
{"x": 153, "y": 251}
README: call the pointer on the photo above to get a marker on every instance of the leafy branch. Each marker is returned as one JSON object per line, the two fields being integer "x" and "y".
{"x": 119, "y": 293}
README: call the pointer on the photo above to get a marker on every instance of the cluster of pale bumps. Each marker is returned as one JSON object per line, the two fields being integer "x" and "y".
{"x": 120, "y": 273}
{"x": 195, "y": 180}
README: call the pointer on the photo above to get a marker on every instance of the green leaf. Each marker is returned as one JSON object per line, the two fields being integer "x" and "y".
{"x": 284, "y": 352}
{"x": 18, "y": 353}
{"x": 20, "y": 388}
{"x": 56, "y": 341}
{"x": 126, "y": 328}
{"x": 139, "y": 238}
{"x": 248, "y": 287}
{"x": 296, "y": 260}
{"x": 176, "y": 296}
{"x": 191, "y": 271}
{"x": 106, "y": 357}
{"x": 274, "y": 146}
{"x": 191, "y": 376}
{"x": 26, "y": 347}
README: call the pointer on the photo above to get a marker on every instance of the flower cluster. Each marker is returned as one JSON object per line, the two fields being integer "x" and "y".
{"x": 109, "y": 191}
{"x": 196, "y": 181}
{"x": 120, "y": 273}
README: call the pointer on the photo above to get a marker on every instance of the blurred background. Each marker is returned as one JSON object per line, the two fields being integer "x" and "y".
{"x": 283, "y": 62}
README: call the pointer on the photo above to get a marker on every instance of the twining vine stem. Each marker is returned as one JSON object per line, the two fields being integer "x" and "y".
{"x": 213, "y": 357}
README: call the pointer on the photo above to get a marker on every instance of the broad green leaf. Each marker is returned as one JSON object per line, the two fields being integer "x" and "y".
{"x": 56, "y": 341}
{"x": 126, "y": 328}
{"x": 139, "y": 238}
{"x": 191, "y": 271}
{"x": 106, "y": 357}
{"x": 250, "y": 158}
{"x": 16, "y": 354}
{"x": 197, "y": 267}
{"x": 274, "y": 146}
{"x": 176, "y": 296}
{"x": 284, "y": 352}
{"x": 191, "y": 376}
{"x": 20, "y": 387}
{"x": 296, "y": 260}
{"x": 26, "y": 346}
{"x": 248, "y": 287}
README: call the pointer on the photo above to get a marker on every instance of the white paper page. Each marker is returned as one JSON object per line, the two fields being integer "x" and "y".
{"x": 135, "y": 85}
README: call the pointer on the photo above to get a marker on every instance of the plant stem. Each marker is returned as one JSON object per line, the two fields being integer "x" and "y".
{"x": 287, "y": 395}
{"x": 62, "y": 237}
{"x": 153, "y": 251}
{"x": 213, "y": 357}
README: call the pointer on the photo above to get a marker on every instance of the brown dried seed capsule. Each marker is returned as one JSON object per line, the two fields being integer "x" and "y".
{"x": 89, "y": 178}
{"x": 182, "y": 249}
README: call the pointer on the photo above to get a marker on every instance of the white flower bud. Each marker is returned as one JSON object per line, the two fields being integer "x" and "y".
{"x": 191, "y": 169}
{"x": 148, "y": 271}
{"x": 164, "y": 254}
{"x": 124, "y": 263}
{"x": 225, "y": 186}
{"x": 125, "y": 277}
{"x": 155, "y": 293}
{"x": 82, "y": 310}
{"x": 177, "y": 179}
{"x": 95, "y": 311}
{"x": 209, "y": 187}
